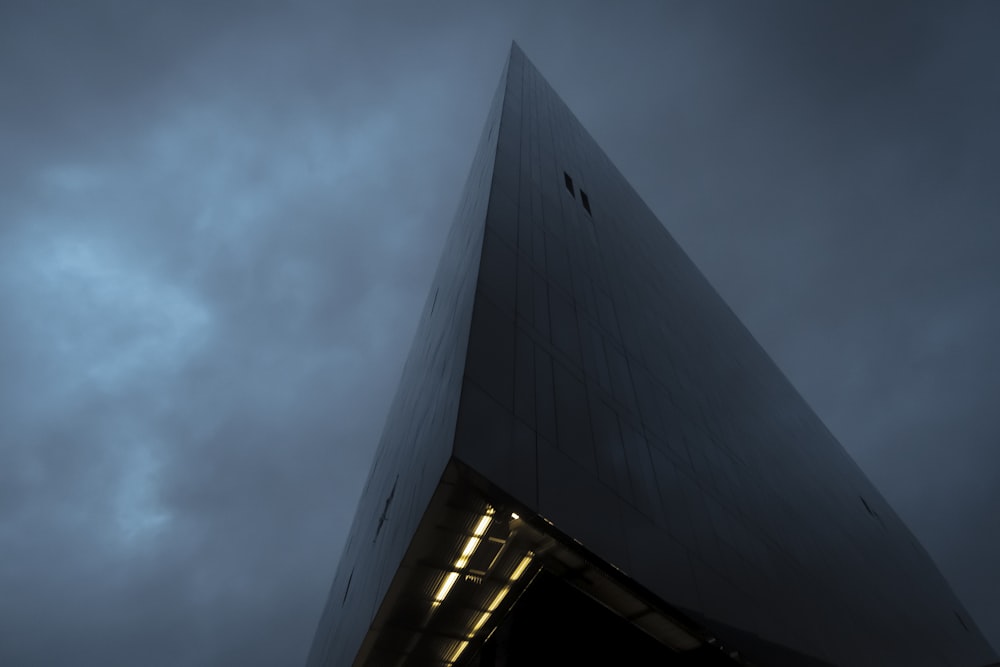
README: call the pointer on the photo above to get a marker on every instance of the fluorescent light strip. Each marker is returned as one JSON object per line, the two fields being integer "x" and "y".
{"x": 472, "y": 543}
{"x": 463, "y": 559}
{"x": 467, "y": 551}
{"x": 492, "y": 607}
{"x": 456, "y": 652}
{"x": 445, "y": 587}
{"x": 497, "y": 599}
{"x": 480, "y": 622}
{"x": 484, "y": 523}
{"x": 501, "y": 594}
{"x": 521, "y": 567}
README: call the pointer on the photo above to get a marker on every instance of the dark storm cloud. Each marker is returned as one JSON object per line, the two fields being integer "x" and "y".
{"x": 218, "y": 229}
{"x": 219, "y": 221}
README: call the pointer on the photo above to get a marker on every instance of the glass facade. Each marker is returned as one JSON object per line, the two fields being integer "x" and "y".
{"x": 573, "y": 364}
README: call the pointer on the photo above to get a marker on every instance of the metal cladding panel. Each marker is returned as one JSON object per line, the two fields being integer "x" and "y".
{"x": 610, "y": 389}
{"x": 416, "y": 443}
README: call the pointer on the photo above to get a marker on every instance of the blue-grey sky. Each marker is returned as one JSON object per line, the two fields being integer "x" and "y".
{"x": 219, "y": 220}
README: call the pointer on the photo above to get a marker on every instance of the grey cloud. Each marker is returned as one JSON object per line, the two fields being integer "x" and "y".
{"x": 219, "y": 221}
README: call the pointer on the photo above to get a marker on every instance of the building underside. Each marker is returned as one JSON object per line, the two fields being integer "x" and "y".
{"x": 488, "y": 583}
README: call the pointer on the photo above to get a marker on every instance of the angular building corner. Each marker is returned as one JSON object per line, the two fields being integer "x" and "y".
{"x": 586, "y": 437}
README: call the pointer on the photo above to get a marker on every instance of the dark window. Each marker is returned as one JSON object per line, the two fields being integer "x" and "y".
{"x": 585, "y": 200}
{"x": 385, "y": 512}
{"x": 961, "y": 621}
{"x": 348, "y": 587}
{"x": 569, "y": 184}
{"x": 871, "y": 511}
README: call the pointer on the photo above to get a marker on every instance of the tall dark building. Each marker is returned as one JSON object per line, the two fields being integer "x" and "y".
{"x": 590, "y": 460}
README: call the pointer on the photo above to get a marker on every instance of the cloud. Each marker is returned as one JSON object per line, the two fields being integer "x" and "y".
{"x": 218, "y": 223}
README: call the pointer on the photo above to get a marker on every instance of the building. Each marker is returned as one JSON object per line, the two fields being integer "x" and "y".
{"x": 590, "y": 457}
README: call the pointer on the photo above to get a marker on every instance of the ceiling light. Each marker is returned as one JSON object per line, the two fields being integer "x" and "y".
{"x": 467, "y": 551}
{"x": 484, "y": 523}
{"x": 456, "y": 651}
{"x": 480, "y": 622}
{"x": 497, "y": 599}
{"x": 521, "y": 567}
{"x": 445, "y": 587}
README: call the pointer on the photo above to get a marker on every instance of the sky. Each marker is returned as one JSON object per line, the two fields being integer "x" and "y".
{"x": 219, "y": 222}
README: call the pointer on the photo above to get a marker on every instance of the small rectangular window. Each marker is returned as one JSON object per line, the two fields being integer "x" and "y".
{"x": 585, "y": 200}
{"x": 569, "y": 184}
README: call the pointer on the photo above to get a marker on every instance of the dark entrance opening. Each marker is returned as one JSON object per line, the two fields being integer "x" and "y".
{"x": 553, "y": 623}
